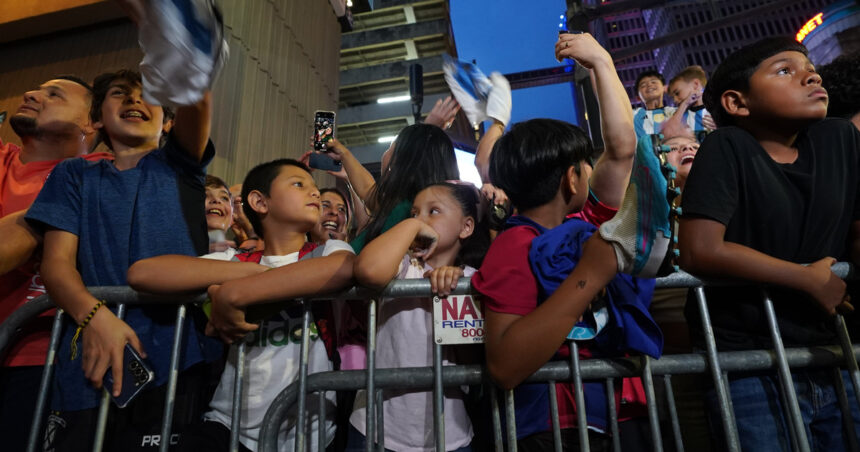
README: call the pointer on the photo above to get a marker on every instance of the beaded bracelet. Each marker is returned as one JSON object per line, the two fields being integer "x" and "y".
{"x": 82, "y": 326}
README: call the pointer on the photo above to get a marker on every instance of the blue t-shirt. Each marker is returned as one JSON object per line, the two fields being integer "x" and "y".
{"x": 121, "y": 217}
{"x": 648, "y": 122}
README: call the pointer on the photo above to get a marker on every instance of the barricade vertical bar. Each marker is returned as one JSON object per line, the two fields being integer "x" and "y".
{"x": 301, "y": 416}
{"x": 792, "y": 429}
{"x": 793, "y": 410}
{"x": 238, "y": 389}
{"x": 101, "y": 422}
{"x": 322, "y": 433}
{"x": 371, "y": 371}
{"x": 848, "y": 354}
{"x": 581, "y": 420}
{"x": 510, "y": 420}
{"x": 650, "y": 401}
{"x": 498, "y": 442}
{"x": 553, "y": 414}
{"x": 726, "y": 417}
{"x": 613, "y": 415}
{"x": 380, "y": 422}
{"x": 673, "y": 413}
{"x": 438, "y": 399}
{"x": 170, "y": 397}
{"x": 845, "y": 409}
{"x": 45, "y": 383}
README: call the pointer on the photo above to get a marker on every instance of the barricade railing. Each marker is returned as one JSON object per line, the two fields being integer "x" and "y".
{"x": 437, "y": 377}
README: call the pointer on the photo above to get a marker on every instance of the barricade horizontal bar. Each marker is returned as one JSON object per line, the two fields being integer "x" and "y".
{"x": 396, "y": 289}
{"x": 592, "y": 369}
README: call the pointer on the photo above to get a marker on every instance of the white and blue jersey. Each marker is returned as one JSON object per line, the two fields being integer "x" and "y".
{"x": 647, "y": 122}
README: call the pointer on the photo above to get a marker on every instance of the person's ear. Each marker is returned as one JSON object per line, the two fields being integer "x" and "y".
{"x": 258, "y": 202}
{"x": 467, "y": 228}
{"x": 735, "y": 103}
{"x": 572, "y": 178}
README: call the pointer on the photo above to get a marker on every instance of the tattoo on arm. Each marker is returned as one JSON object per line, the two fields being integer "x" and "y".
{"x": 581, "y": 284}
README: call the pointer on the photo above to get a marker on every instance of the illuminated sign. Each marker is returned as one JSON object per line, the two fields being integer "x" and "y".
{"x": 809, "y": 26}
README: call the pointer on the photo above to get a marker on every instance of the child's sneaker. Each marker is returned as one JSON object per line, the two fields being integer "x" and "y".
{"x": 184, "y": 49}
{"x": 640, "y": 232}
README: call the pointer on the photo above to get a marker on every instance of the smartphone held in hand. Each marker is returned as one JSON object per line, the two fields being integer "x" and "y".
{"x": 323, "y": 128}
{"x": 321, "y": 161}
{"x": 136, "y": 376}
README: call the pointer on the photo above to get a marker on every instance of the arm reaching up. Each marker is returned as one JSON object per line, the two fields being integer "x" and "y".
{"x": 612, "y": 171}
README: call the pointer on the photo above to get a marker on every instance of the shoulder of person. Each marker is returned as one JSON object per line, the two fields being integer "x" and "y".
{"x": 334, "y": 245}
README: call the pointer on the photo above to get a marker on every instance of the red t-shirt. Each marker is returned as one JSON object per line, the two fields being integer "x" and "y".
{"x": 509, "y": 287}
{"x": 20, "y": 183}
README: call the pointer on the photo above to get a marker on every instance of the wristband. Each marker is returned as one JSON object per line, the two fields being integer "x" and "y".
{"x": 82, "y": 326}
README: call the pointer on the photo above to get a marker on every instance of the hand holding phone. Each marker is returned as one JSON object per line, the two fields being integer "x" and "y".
{"x": 322, "y": 161}
{"x": 136, "y": 375}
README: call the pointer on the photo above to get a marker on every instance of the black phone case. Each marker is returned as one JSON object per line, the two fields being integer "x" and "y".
{"x": 136, "y": 376}
{"x": 324, "y": 162}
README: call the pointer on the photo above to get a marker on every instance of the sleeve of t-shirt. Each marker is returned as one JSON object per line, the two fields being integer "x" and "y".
{"x": 177, "y": 156}
{"x": 226, "y": 255}
{"x": 594, "y": 211}
{"x": 854, "y": 146}
{"x": 505, "y": 278}
{"x": 58, "y": 205}
{"x": 333, "y": 246}
{"x": 711, "y": 190}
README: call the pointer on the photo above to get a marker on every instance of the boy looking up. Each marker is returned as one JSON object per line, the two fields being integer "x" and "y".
{"x": 219, "y": 213}
{"x": 544, "y": 167}
{"x": 283, "y": 204}
{"x": 651, "y": 86}
{"x": 774, "y": 187}
{"x": 99, "y": 218}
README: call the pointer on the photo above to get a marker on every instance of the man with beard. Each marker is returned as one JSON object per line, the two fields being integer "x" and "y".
{"x": 53, "y": 123}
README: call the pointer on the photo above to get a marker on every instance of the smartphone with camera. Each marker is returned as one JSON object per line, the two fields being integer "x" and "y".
{"x": 324, "y": 162}
{"x": 136, "y": 376}
{"x": 323, "y": 128}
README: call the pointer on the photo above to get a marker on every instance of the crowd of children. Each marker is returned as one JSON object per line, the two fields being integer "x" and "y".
{"x": 768, "y": 185}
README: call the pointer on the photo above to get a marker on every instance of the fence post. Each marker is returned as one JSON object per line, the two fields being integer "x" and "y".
{"x": 301, "y": 416}
{"x": 553, "y": 415}
{"x": 438, "y": 397}
{"x": 170, "y": 397}
{"x": 370, "y": 418}
{"x": 792, "y": 408}
{"x": 581, "y": 419}
{"x": 848, "y": 354}
{"x": 673, "y": 413}
{"x": 238, "y": 389}
{"x": 722, "y": 389}
{"x": 613, "y": 415}
{"x": 45, "y": 383}
{"x": 650, "y": 401}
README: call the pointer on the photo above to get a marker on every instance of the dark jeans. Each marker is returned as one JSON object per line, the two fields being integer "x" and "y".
{"x": 761, "y": 419}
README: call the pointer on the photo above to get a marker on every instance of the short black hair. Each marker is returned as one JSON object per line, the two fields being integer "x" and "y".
{"x": 260, "y": 179}
{"x": 840, "y": 79}
{"x": 529, "y": 161}
{"x": 648, "y": 73}
{"x": 76, "y": 79}
{"x": 735, "y": 71}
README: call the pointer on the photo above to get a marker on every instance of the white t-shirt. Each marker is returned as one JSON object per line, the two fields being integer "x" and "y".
{"x": 271, "y": 364}
{"x": 405, "y": 339}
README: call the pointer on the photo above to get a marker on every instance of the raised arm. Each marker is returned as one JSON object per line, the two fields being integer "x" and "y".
{"x": 192, "y": 127}
{"x": 105, "y": 336}
{"x": 171, "y": 274}
{"x": 359, "y": 177}
{"x": 380, "y": 259}
{"x": 612, "y": 171}
{"x": 704, "y": 252}
{"x": 19, "y": 241}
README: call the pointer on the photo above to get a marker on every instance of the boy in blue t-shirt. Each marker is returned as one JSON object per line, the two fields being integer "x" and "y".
{"x": 98, "y": 218}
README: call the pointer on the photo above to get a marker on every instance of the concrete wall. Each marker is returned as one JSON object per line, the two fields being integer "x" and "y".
{"x": 283, "y": 65}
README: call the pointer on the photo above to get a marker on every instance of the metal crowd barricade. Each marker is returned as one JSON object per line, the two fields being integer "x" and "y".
{"x": 435, "y": 378}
